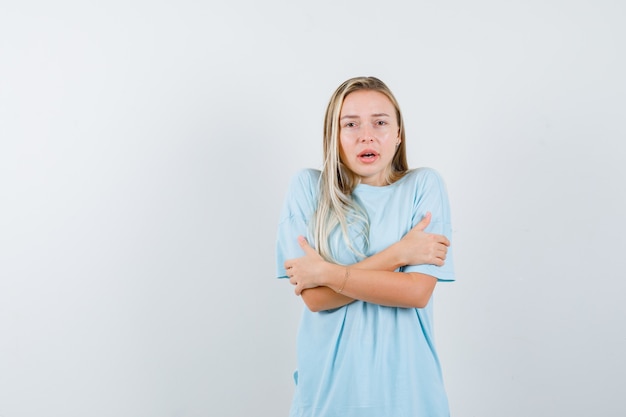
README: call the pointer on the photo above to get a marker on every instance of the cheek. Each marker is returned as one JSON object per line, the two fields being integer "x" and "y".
{"x": 344, "y": 146}
{"x": 393, "y": 132}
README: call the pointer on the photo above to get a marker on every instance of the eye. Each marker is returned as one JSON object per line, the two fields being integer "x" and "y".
{"x": 381, "y": 123}
{"x": 349, "y": 124}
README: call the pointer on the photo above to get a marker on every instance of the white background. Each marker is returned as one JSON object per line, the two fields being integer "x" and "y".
{"x": 145, "y": 149}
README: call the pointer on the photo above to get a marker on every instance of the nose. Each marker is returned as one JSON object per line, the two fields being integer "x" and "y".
{"x": 366, "y": 135}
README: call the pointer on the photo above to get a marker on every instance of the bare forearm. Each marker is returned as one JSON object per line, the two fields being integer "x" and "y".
{"x": 393, "y": 289}
{"x": 324, "y": 298}
{"x": 415, "y": 248}
{"x": 388, "y": 259}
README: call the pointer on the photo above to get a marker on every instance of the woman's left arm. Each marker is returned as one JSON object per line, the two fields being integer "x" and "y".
{"x": 415, "y": 248}
{"x": 394, "y": 289}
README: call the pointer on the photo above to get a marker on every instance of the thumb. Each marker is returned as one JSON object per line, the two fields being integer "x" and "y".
{"x": 423, "y": 224}
{"x": 305, "y": 245}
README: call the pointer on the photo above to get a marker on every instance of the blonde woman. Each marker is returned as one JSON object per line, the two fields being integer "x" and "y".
{"x": 364, "y": 243}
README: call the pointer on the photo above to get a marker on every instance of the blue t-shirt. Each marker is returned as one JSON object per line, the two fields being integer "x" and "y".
{"x": 364, "y": 359}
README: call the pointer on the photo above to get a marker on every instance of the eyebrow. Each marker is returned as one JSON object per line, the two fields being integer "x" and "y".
{"x": 349, "y": 116}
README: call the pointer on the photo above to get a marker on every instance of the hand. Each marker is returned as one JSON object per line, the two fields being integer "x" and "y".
{"x": 418, "y": 247}
{"x": 306, "y": 272}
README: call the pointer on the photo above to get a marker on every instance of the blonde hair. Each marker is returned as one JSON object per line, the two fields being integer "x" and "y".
{"x": 336, "y": 205}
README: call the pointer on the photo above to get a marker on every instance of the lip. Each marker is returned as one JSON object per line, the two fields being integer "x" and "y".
{"x": 368, "y": 156}
{"x": 367, "y": 151}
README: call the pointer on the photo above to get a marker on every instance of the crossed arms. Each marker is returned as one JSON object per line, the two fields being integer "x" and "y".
{"x": 324, "y": 285}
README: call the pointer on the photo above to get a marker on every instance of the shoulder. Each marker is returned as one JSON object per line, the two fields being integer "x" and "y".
{"x": 306, "y": 180}
{"x": 304, "y": 186}
{"x": 424, "y": 177}
{"x": 306, "y": 176}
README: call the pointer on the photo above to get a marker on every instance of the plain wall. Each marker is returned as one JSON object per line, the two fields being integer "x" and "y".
{"x": 146, "y": 147}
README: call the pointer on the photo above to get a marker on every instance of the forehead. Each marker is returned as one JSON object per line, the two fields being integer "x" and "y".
{"x": 365, "y": 103}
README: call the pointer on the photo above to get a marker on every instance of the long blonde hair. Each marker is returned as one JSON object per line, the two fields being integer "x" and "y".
{"x": 336, "y": 205}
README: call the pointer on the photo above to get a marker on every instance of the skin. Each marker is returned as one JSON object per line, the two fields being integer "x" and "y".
{"x": 372, "y": 279}
{"x": 368, "y": 139}
{"x": 368, "y": 125}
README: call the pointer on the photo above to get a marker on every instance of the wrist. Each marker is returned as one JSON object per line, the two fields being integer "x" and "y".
{"x": 345, "y": 281}
{"x": 334, "y": 277}
{"x": 397, "y": 255}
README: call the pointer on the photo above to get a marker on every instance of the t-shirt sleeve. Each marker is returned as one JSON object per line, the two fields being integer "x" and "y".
{"x": 431, "y": 196}
{"x": 297, "y": 210}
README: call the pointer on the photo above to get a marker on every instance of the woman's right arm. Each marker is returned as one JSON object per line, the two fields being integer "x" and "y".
{"x": 415, "y": 248}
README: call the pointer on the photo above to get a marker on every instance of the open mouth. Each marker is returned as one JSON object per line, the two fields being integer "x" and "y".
{"x": 368, "y": 154}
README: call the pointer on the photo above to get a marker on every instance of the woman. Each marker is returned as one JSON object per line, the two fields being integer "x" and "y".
{"x": 380, "y": 233}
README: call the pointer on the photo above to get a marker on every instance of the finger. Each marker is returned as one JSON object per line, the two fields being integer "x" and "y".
{"x": 298, "y": 290}
{"x": 442, "y": 239}
{"x": 304, "y": 244}
{"x": 423, "y": 224}
{"x": 438, "y": 257}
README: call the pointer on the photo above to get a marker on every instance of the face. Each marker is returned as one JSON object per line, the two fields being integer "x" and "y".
{"x": 369, "y": 135}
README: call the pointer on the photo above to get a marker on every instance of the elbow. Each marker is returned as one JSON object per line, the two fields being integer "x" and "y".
{"x": 314, "y": 308}
{"x": 311, "y": 302}
{"x": 414, "y": 300}
{"x": 421, "y": 302}
{"x": 316, "y": 302}
{"x": 422, "y": 291}
{"x": 422, "y": 298}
